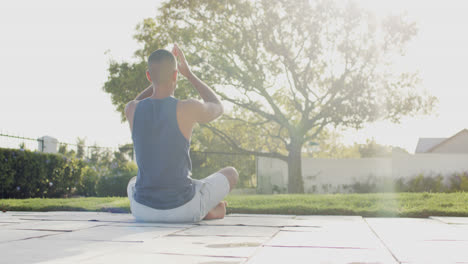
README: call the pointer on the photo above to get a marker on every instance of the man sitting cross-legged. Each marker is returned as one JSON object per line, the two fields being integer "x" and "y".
{"x": 161, "y": 127}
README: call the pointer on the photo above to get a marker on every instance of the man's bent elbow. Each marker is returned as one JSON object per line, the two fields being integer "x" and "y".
{"x": 219, "y": 112}
{"x": 221, "y": 109}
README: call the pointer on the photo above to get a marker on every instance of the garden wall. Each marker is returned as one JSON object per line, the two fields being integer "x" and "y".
{"x": 337, "y": 175}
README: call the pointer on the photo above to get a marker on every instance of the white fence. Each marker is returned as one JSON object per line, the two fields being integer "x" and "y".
{"x": 334, "y": 175}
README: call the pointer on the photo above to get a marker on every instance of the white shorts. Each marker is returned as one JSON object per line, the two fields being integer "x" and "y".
{"x": 208, "y": 193}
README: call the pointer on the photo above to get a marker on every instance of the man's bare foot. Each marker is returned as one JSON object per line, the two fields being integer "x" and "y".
{"x": 218, "y": 212}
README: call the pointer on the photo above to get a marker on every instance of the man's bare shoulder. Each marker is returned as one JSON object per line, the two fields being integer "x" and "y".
{"x": 190, "y": 101}
{"x": 130, "y": 107}
{"x": 189, "y": 105}
{"x": 201, "y": 112}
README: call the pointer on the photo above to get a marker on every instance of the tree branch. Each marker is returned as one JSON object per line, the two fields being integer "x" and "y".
{"x": 223, "y": 136}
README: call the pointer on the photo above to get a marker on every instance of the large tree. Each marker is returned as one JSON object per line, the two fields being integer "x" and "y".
{"x": 289, "y": 69}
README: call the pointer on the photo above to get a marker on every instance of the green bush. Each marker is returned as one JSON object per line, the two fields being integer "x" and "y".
{"x": 205, "y": 163}
{"x": 458, "y": 182}
{"x": 422, "y": 183}
{"x": 114, "y": 185}
{"x": 26, "y": 174}
{"x": 367, "y": 186}
{"x": 89, "y": 179}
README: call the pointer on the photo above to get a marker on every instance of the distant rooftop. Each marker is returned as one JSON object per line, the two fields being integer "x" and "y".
{"x": 425, "y": 144}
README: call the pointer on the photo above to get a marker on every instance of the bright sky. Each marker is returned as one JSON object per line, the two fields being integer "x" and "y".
{"x": 53, "y": 66}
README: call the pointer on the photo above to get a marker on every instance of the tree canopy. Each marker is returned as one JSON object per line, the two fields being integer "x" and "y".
{"x": 288, "y": 69}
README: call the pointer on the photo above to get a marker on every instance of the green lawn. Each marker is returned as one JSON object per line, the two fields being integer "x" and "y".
{"x": 381, "y": 204}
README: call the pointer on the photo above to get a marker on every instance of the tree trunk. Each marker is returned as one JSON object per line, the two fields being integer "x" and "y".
{"x": 295, "y": 182}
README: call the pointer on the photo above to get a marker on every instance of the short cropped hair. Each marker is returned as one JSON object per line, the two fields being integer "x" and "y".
{"x": 161, "y": 66}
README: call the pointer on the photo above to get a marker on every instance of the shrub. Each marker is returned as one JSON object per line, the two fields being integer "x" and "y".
{"x": 459, "y": 182}
{"x": 206, "y": 163}
{"x": 114, "y": 185}
{"x": 26, "y": 174}
{"x": 422, "y": 183}
{"x": 367, "y": 186}
{"x": 89, "y": 179}
{"x": 419, "y": 183}
{"x": 372, "y": 184}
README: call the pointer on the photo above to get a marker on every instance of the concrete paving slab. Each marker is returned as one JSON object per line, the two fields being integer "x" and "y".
{"x": 141, "y": 224}
{"x": 8, "y": 217}
{"x": 100, "y": 237}
{"x": 296, "y": 255}
{"x": 7, "y": 235}
{"x": 452, "y": 220}
{"x": 417, "y": 229}
{"x": 113, "y": 233}
{"x": 65, "y": 226}
{"x": 8, "y": 223}
{"x": 53, "y": 213}
{"x": 202, "y": 246}
{"x": 262, "y": 215}
{"x": 256, "y": 221}
{"x": 323, "y": 240}
{"x": 299, "y": 228}
{"x": 152, "y": 258}
{"x": 356, "y": 238}
{"x": 318, "y": 220}
{"x": 77, "y": 216}
{"x": 37, "y": 250}
{"x": 334, "y": 232}
{"x": 242, "y": 231}
{"x": 422, "y": 240}
{"x": 246, "y": 221}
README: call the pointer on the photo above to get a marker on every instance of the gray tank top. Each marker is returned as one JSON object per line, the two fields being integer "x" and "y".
{"x": 162, "y": 155}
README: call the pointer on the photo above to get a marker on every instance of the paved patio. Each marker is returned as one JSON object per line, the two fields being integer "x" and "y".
{"x": 99, "y": 237}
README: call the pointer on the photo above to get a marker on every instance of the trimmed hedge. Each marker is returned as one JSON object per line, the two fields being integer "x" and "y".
{"x": 26, "y": 174}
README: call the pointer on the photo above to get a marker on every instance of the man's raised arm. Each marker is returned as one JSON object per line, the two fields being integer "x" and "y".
{"x": 146, "y": 93}
{"x": 211, "y": 108}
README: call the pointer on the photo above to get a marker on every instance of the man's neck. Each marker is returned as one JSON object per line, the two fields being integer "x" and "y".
{"x": 160, "y": 92}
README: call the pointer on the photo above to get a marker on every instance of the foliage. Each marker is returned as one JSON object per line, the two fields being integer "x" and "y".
{"x": 103, "y": 167}
{"x": 80, "y": 152}
{"x": 459, "y": 182}
{"x": 209, "y": 154}
{"x": 422, "y": 183}
{"x": 288, "y": 68}
{"x": 114, "y": 185}
{"x": 373, "y": 150}
{"x": 25, "y": 174}
{"x": 330, "y": 146}
{"x": 108, "y": 172}
{"x": 125, "y": 81}
{"x": 419, "y": 183}
{"x": 89, "y": 180}
{"x": 207, "y": 163}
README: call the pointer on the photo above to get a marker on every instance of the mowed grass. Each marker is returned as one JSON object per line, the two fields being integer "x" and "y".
{"x": 370, "y": 205}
